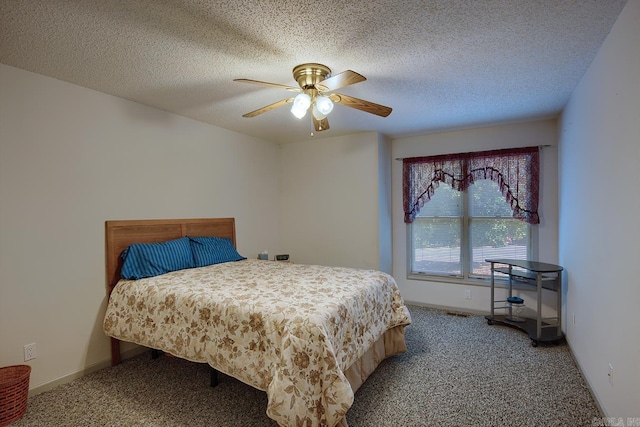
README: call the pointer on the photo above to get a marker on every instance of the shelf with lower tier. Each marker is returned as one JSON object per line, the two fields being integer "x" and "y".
{"x": 538, "y": 274}
{"x": 548, "y": 334}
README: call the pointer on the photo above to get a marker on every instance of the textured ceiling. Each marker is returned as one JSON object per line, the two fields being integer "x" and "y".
{"x": 440, "y": 64}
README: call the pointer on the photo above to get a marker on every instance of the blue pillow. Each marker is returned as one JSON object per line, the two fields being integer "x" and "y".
{"x": 152, "y": 259}
{"x": 213, "y": 250}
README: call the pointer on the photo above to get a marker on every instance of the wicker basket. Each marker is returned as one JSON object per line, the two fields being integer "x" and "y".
{"x": 14, "y": 391}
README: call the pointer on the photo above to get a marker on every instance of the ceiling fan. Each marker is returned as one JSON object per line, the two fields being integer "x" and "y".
{"x": 316, "y": 81}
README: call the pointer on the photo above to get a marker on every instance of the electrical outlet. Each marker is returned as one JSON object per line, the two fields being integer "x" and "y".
{"x": 610, "y": 374}
{"x": 29, "y": 351}
{"x": 467, "y": 294}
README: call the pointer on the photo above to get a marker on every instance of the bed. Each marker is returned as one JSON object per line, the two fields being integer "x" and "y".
{"x": 307, "y": 335}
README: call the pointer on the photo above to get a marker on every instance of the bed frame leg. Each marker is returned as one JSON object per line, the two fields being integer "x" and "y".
{"x": 214, "y": 376}
{"x": 115, "y": 352}
{"x": 213, "y": 373}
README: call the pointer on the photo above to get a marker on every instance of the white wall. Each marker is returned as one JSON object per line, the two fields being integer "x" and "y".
{"x": 490, "y": 138}
{"x": 71, "y": 158}
{"x": 599, "y": 158}
{"x": 331, "y": 200}
{"x": 385, "y": 235}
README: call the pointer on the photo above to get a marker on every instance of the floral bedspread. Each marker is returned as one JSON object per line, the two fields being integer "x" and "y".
{"x": 288, "y": 329}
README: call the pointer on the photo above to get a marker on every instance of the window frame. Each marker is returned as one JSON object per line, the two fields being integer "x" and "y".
{"x": 465, "y": 252}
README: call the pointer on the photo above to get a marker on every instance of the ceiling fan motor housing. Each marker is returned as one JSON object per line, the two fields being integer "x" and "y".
{"x": 309, "y": 75}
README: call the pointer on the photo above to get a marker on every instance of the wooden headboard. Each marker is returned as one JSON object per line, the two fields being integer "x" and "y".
{"x": 120, "y": 234}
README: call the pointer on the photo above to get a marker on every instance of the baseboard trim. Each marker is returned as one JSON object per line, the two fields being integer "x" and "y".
{"x": 586, "y": 379}
{"x": 448, "y": 308}
{"x": 86, "y": 371}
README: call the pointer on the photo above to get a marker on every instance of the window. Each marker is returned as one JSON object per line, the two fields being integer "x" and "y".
{"x": 465, "y": 208}
{"x": 456, "y": 231}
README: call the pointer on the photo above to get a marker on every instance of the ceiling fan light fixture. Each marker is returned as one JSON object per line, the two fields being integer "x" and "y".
{"x": 324, "y": 105}
{"x": 301, "y": 104}
{"x": 314, "y": 80}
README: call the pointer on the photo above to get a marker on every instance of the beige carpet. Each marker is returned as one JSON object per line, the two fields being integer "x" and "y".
{"x": 458, "y": 371}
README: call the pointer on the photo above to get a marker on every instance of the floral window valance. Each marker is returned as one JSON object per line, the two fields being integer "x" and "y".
{"x": 516, "y": 171}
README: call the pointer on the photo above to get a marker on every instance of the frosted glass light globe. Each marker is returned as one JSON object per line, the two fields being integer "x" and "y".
{"x": 301, "y": 104}
{"x": 324, "y": 105}
{"x": 317, "y": 114}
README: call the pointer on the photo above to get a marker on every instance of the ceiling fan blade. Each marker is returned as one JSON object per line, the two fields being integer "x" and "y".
{"x": 346, "y": 78}
{"x": 257, "y": 82}
{"x": 268, "y": 108}
{"x": 320, "y": 125}
{"x": 360, "y": 104}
